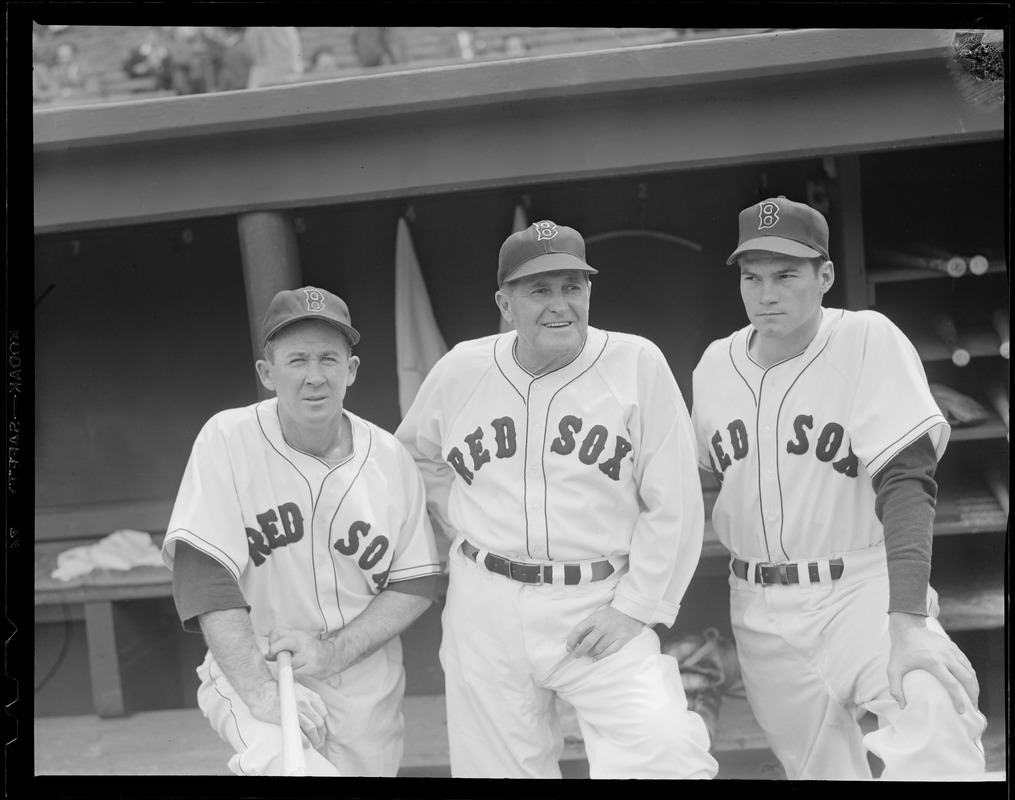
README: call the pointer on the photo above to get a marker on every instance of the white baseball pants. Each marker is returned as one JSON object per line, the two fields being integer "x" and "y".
{"x": 504, "y": 658}
{"x": 364, "y": 724}
{"x": 814, "y": 659}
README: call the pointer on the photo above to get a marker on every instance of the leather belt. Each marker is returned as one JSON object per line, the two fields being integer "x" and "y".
{"x": 537, "y": 574}
{"x": 768, "y": 574}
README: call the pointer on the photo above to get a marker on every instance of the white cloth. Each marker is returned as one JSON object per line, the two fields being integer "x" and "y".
{"x": 418, "y": 341}
{"x": 121, "y": 550}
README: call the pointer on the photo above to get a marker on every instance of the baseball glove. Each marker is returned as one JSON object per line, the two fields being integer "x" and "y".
{"x": 958, "y": 409}
{"x": 708, "y": 670}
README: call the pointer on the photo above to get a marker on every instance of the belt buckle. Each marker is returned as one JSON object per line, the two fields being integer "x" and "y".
{"x": 539, "y": 571}
{"x": 780, "y": 573}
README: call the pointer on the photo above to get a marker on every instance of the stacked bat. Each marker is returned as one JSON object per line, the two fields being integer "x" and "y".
{"x": 997, "y": 393}
{"x": 938, "y": 260}
{"x": 946, "y": 330}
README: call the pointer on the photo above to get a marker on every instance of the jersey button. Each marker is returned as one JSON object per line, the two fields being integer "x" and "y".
{"x": 535, "y": 506}
{"x": 535, "y": 386}
{"x": 538, "y": 427}
{"x": 534, "y": 468}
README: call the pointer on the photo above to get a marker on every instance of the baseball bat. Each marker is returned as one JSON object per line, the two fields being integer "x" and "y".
{"x": 293, "y": 760}
{"x": 978, "y": 264}
{"x": 944, "y": 327}
{"x": 998, "y": 485}
{"x": 1000, "y": 320}
{"x": 998, "y": 396}
{"x": 952, "y": 265}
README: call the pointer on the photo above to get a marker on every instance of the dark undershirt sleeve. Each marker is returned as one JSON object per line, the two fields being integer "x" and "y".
{"x": 202, "y": 584}
{"x": 905, "y": 503}
{"x": 426, "y": 586}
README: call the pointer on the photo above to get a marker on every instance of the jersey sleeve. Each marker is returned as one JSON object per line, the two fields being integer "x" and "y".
{"x": 207, "y": 512}
{"x": 698, "y": 404}
{"x": 200, "y": 585}
{"x": 416, "y": 551}
{"x": 421, "y": 433}
{"x": 667, "y": 538}
{"x": 892, "y": 405}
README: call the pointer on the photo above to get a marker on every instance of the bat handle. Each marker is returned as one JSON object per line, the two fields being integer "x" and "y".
{"x": 293, "y": 761}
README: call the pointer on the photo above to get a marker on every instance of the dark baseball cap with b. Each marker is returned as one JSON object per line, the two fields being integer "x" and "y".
{"x": 292, "y": 305}
{"x": 542, "y": 247}
{"x": 778, "y": 225}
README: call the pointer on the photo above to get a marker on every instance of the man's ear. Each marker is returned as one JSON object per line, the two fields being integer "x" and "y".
{"x": 503, "y": 302}
{"x": 827, "y": 275}
{"x": 264, "y": 373}
{"x": 353, "y": 369}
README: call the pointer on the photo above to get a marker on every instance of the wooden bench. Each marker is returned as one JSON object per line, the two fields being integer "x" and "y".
{"x": 103, "y": 594}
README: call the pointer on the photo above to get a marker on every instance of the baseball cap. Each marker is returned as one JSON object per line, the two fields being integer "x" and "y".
{"x": 782, "y": 226}
{"x": 542, "y": 247}
{"x": 309, "y": 302}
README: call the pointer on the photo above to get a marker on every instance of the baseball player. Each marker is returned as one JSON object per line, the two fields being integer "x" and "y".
{"x": 302, "y": 527}
{"x": 821, "y": 430}
{"x": 560, "y": 459}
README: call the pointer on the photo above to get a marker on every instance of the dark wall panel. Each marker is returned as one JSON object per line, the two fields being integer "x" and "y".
{"x": 140, "y": 338}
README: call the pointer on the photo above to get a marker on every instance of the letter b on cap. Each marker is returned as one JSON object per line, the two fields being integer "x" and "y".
{"x": 545, "y": 230}
{"x": 315, "y": 301}
{"x": 769, "y": 215}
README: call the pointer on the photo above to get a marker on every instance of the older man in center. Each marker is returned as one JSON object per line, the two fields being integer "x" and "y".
{"x": 560, "y": 459}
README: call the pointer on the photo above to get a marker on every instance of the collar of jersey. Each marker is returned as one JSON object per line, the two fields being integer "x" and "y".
{"x": 504, "y": 354}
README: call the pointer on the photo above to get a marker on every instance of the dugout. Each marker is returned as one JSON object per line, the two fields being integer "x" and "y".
{"x": 163, "y": 227}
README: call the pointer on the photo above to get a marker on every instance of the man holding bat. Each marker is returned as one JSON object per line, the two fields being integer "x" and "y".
{"x": 300, "y": 527}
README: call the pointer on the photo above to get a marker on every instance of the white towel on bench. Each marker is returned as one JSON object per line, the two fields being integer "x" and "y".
{"x": 121, "y": 550}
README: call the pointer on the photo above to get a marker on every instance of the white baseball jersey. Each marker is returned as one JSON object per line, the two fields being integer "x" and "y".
{"x": 309, "y": 544}
{"x": 795, "y": 445}
{"x": 595, "y": 459}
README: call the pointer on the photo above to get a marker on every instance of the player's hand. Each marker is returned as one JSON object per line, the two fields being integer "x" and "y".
{"x": 310, "y": 708}
{"x": 602, "y": 633}
{"x": 311, "y": 657}
{"x": 915, "y": 646}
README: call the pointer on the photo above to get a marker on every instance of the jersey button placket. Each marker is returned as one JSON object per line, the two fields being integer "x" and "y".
{"x": 535, "y": 478}
{"x": 768, "y": 458}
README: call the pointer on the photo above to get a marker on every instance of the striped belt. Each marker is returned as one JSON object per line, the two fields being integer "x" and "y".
{"x": 537, "y": 574}
{"x": 769, "y": 574}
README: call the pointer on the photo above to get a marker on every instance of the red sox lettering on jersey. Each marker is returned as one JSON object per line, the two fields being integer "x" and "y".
{"x": 801, "y": 439}
{"x": 309, "y": 543}
{"x": 368, "y": 550}
{"x": 506, "y": 445}
{"x": 732, "y": 444}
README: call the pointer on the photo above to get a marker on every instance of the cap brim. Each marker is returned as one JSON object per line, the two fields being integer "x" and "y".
{"x": 350, "y": 333}
{"x": 776, "y": 244}
{"x": 549, "y": 262}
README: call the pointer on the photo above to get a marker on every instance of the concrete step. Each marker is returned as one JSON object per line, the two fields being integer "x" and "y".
{"x": 180, "y": 742}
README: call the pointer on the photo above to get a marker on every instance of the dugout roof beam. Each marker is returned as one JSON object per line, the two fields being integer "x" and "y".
{"x": 711, "y": 102}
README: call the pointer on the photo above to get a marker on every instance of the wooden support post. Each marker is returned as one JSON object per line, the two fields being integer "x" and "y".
{"x": 271, "y": 263}
{"x": 104, "y": 660}
{"x": 853, "y": 269}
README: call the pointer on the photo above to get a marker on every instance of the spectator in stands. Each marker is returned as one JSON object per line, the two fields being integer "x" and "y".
{"x": 42, "y": 85}
{"x": 323, "y": 60}
{"x": 66, "y": 73}
{"x": 189, "y": 61}
{"x": 378, "y": 46}
{"x": 514, "y": 46}
{"x": 150, "y": 59}
{"x": 229, "y": 58}
{"x": 276, "y": 55}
